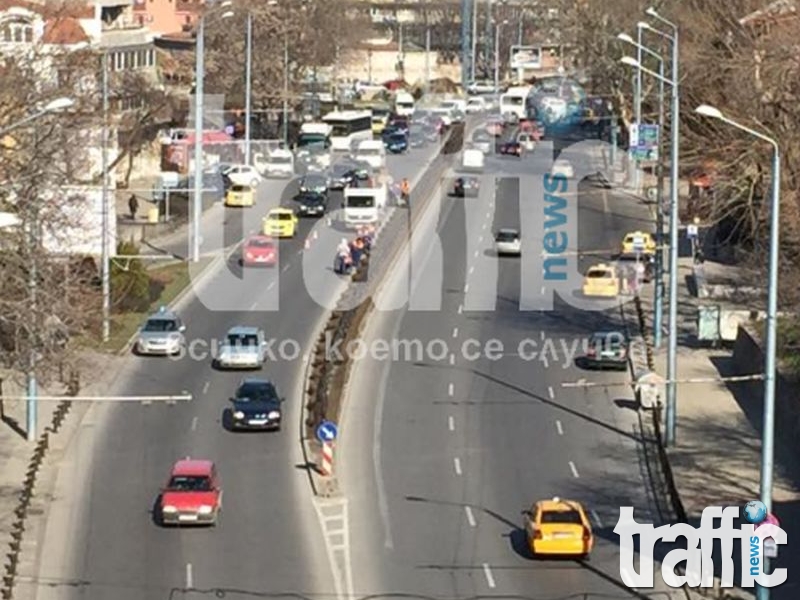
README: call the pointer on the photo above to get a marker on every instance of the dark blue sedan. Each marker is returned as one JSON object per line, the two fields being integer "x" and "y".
{"x": 396, "y": 143}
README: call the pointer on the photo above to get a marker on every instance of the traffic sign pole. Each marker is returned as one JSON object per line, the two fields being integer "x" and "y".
{"x": 326, "y": 465}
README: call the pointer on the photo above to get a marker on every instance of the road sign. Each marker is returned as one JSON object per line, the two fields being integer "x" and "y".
{"x": 327, "y": 431}
{"x": 692, "y": 231}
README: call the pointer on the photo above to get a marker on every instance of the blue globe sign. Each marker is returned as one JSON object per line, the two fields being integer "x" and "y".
{"x": 755, "y": 512}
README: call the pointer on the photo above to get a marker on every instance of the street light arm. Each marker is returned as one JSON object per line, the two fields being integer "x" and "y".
{"x": 628, "y": 39}
{"x": 23, "y": 122}
{"x": 635, "y": 64}
{"x": 651, "y": 12}
{"x": 753, "y": 132}
{"x": 663, "y": 34}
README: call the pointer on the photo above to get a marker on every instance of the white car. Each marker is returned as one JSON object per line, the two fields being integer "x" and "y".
{"x": 245, "y": 175}
{"x": 563, "y": 168}
{"x": 526, "y": 141}
{"x": 482, "y": 141}
{"x": 475, "y": 105}
{"x": 278, "y": 163}
{"x": 445, "y": 114}
{"x": 161, "y": 334}
{"x": 242, "y": 348}
{"x": 507, "y": 242}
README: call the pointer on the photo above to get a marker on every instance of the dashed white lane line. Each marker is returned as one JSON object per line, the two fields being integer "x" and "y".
{"x": 451, "y": 423}
{"x": 484, "y": 226}
{"x": 471, "y": 270}
{"x": 189, "y": 577}
{"x": 476, "y": 254}
{"x": 285, "y": 268}
{"x": 271, "y": 285}
{"x": 596, "y": 518}
{"x": 455, "y": 332}
{"x": 205, "y": 386}
{"x": 545, "y": 362}
{"x": 457, "y": 465}
{"x": 559, "y": 428}
{"x": 573, "y": 469}
{"x": 466, "y": 288}
{"x": 470, "y": 516}
{"x": 452, "y": 359}
{"x": 194, "y": 423}
{"x": 487, "y": 571}
{"x": 460, "y": 308}
{"x": 253, "y": 305}
{"x": 550, "y": 392}
{"x": 450, "y": 389}
{"x": 544, "y": 290}
{"x": 480, "y": 240}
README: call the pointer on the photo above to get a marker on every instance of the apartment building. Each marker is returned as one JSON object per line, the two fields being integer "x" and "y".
{"x": 164, "y": 17}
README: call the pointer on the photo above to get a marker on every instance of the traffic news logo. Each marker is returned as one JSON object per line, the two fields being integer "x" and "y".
{"x": 759, "y": 539}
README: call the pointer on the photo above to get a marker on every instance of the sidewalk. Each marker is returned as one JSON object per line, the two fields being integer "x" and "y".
{"x": 716, "y": 459}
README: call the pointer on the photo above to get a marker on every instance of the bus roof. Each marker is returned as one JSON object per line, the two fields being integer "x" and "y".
{"x": 320, "y": 128}
{"x": 347, "y": 115}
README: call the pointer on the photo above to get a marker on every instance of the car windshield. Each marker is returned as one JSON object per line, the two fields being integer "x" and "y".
{"x": 259, "y": 243}
{"x": 280, "y": 160}
{"x": 311, "y": 199}
{"x": 240, "y": 188}
{"x": 240, "y": 339}
{"x": 190, "y": 483}
{"x": 256, "y": 390}
{"x": 481, "y": 136}
{"x": 340, "y": 170}
{"x": 361, "y": 201}
{"x": 397, "y": 137}
{"x": 161, "y": 325}
{"x": 311, "y": 139}
{"x": 507, "y": 236}
{"x": 310, "y": 182}
{"x": 280, "y": 217}
{"x": 599, "y": 274}
{"x": 567, "y": 517}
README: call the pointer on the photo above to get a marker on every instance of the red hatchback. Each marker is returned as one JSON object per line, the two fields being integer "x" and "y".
{"x": 192, "y": 495}
{"x": 259, "y": 251}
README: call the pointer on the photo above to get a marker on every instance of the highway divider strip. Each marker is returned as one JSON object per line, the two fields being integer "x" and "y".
{"x": 326, "y": 378}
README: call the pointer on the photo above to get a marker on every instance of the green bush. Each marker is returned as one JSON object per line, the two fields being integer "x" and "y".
{"x": 130, "y": 282}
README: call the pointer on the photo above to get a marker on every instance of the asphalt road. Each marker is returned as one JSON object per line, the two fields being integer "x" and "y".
{"x": 440, "y": 453}
{"x": 100, "y": 540}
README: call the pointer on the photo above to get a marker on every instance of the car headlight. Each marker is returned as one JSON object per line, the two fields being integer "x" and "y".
{"x": 303, "y": 207}
{"x": 205, "y": 509}
{"x": 274, "y": 415}
{"x": 141, "y": 342}
{"x": 249, "y": 256}
{"x": 169, "y": 509}
{"x": 238, "y": 415}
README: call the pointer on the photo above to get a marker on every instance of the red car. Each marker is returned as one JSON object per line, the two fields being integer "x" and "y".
{"x": 532, "y": 127}
{"x": 192, "y": 495}
{"x": 259, "y": 251}
{"x": 512, "y": 148}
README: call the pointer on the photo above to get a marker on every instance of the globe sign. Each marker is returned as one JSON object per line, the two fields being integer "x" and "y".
{"x": 755, "y": 512}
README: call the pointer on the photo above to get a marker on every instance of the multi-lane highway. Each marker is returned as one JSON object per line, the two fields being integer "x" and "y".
{"x": 100, "y": 541}
{"x": 441, "y": 452}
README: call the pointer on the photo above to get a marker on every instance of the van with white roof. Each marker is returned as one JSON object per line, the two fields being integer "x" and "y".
{"x": 372, "y": 152}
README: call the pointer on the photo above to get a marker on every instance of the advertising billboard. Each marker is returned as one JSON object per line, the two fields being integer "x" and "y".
{"x": 526, "y": 57}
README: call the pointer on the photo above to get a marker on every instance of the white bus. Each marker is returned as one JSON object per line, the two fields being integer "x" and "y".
{"x": 362, "y": 205}
{"x": 349, "y": 125}
{"x": 515, "y": 101}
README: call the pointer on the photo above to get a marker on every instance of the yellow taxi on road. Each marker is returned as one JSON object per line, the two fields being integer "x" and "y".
{"x": 379, "y": 123}
{"x": 601, "y": 280}
{"x": 280, "y": 223}
{"x": 558, "y": 528}
{"x": 240, "y": 195}
{"x": 645, "y": 240}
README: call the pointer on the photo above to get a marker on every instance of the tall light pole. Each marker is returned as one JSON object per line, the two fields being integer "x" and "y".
{"x": 427, "y": 59}
{"x": 659, "y": 304}
{"x": 474, "y": 39}
{"x": 637, "y": 105}
{"x": 248, "y": 88}
{"x": 487, "y": 42}
{"x": 199, "y": 78}
{"x": 497, "y": 28}
{"x": 285, "y": 87}
{"x": 672, "y": 351}
{"x": 105, "y": 268}
{"x": 768, "y": 426}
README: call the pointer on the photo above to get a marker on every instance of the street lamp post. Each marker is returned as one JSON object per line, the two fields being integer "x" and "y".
{"x": 54, "y": 106}
{"x": 105, "y": 252}
{"x": 672, "y": 351}
{"x": 659, "y": 291}
{"x": 474, "y": 39}
{"x": 248, "y": 88}
{"x": 497, "y": 28}
{"x": 768, "y": 426}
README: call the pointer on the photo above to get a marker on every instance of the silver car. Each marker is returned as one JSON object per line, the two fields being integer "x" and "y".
{"x": 242, "y": 348}
{"x": 161, "y": 334}
{"x": 507, "y": 242}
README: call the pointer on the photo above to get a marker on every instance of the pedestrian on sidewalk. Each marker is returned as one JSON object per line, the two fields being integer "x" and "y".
{"x": 133, "y": 205}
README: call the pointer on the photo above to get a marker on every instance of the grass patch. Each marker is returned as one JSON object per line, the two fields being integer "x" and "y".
{"x": 167, "y": 282}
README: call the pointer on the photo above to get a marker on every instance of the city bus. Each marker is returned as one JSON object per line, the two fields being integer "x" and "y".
{"x": 349, "y": 126}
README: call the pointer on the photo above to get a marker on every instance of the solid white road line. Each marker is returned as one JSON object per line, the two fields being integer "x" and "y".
{"x": 189, "y": 577}
{"x": 596, "y": 518}
{"x": 205, "y": 386}
{"x": 451, "y": 423}
{"x": 194, "y": 423}
{"x": 487, "y": 571}
{"x": 470, "y": 516}
{"x": 455, "y": 332}
{"x": 559, "y": 428}
{"x": 457, "y": 465}
{"x": 450, "y": 389}
{"x": 573, "y": 469}
{"x": 550, "y": 392}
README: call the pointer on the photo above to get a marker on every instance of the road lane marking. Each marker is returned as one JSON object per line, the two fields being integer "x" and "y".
{"x": 559, "y": 428}
{"x": 573, "y": 469}
{"x": 452, "y": 359}
{"x": 189, "y": 577}
{"x": 460, "y": 308}
{"x": 471, "y": 270}
{"x": 285, "y": 268}
{"x": 455, "y": 332}
{"x": 470, "y": 516}
{"x": 194, "y": 423}
{"x": 480, "y": 240}
{"x": 484, "y": 227}
{"x": 476, "y": 254}
{"x": 487, "y": 571}
{"x": 596, "y": 518}
{"x": 253, "y": 305}
{"x": 205, "y": 386}
{"x": 545, "y": 362}
{"x": 457, "y": 465}
{"x": 271, "y": 284}
{"x": 544, "y": 290}
{"x": 450, "y": 389}
{"x": 451, "y": 423}
{"x": 551, "y": 392}
{"x": 466, "y": 288}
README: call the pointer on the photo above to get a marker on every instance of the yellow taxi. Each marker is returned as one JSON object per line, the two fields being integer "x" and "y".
{"x": 240, "y": 195}
{"x": 280, "y": 223}
{"x": 645, "y": 240}
{"x": 558, "y": 528}
{"x": 601, "y": 280}
{"x": 379, "y": 123}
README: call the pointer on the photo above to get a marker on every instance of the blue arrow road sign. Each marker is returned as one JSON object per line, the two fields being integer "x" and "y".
{"x": 327, "y": 431}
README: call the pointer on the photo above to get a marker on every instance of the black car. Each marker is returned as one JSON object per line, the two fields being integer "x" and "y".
{"x": 342, "y": 175}
{"x": 397, "y": 123}
{"x": 256, "y": 405}
{"x": 311, "y": 204}
{"x": 464, "y": 187}
{"x": 313, "y": 182}
{"x": 607, "y": 350}
{"x": 511, "y": 148}
{"x": 396, "y": 143}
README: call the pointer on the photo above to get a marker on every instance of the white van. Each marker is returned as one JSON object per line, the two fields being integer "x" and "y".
{"x": 278, "y": 163}
{"x": 372, "y": 152}
{"x": 472, "y": 159}
{"x": 404, "y": 104}
{"x": 475, "y": 105}
{"x": 457, "y": 108}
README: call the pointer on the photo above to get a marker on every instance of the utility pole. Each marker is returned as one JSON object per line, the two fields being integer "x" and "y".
{"x": 285, "y": 86}
{"x": 466, "y": 42}
{"x": 248, "y": 88}
{"x": 104, "y": 252}
{"x": 197, "y": 205}
{"x": 427, "y": 59}
{"x": 474, "y": 39}
{"x": 487, "y": 52}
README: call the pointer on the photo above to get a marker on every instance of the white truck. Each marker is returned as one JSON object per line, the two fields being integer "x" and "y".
{"x": 472, "y": 160}
{"x": 372, "y": 152}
